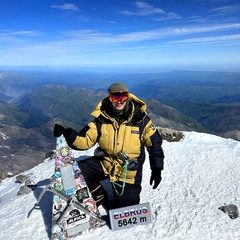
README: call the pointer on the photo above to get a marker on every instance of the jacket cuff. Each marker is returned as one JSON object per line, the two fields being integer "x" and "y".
{"x": 71, "y": 137}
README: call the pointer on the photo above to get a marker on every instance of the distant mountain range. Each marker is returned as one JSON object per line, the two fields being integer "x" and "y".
{"x": 211, "y": 98}
{"x": 32, "y": 102}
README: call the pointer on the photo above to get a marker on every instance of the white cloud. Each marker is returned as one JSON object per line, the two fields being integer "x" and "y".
{"x": 203, "y": 29}
{"x": 110, "y": 21}
{"x": 145, "y": 9}
{"x": 168, "y": 16}
{"x": 91, "y": 37}
{"x": 20, "y": 33}
{"x": 94, "y": 37}
{"x": 214, "y": 39}
{"x": 66, "y": 6}
{"x": 128, "y": 13}
{"x": 11, "y": 38}
{"x": 230, "y": 9}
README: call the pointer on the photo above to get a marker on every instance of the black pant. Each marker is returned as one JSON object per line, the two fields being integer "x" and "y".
{"x": 93, "y": 173}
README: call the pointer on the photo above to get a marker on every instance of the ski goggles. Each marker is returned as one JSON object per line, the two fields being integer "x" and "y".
{"x": 118, "y": 96}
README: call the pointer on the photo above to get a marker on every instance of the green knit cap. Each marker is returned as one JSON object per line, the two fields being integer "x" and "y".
{"x": 118, "y": 87}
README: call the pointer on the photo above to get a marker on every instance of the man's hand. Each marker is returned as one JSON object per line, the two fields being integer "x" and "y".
{"x": 155, "y": 177}
{"x": 58, "y": 130}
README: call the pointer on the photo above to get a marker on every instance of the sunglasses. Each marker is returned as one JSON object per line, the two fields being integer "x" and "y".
{"x": 118, "y": 96}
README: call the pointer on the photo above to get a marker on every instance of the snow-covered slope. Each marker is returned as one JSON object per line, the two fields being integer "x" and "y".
{"x": 201, "y": 174}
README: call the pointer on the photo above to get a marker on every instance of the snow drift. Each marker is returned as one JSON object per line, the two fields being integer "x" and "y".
{"x": 201, "y": 174}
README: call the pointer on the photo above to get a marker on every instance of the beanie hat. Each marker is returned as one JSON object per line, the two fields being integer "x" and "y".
{"x": 118, "y": 87}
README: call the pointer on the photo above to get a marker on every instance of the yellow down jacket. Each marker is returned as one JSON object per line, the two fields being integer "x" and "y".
{"x": 134, "y": 133}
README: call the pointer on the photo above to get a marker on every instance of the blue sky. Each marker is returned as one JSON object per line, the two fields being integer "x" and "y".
{"x": 174, "y": 33}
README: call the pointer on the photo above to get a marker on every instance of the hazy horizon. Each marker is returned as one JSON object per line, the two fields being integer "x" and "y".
{"x": 119, "y": 68}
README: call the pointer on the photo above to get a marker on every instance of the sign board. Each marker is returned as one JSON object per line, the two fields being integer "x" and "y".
{"x": 127, "y": 217}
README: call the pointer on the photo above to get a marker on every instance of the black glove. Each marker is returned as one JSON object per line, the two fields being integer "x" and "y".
{"x": 156, "y": 177}
{"x": 58, "y": 130}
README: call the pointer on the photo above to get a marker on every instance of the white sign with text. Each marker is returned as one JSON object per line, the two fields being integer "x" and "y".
{"x": 127, "y": 217}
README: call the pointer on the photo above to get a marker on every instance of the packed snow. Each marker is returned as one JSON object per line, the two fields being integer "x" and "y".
{"x": 201, "y": 174}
